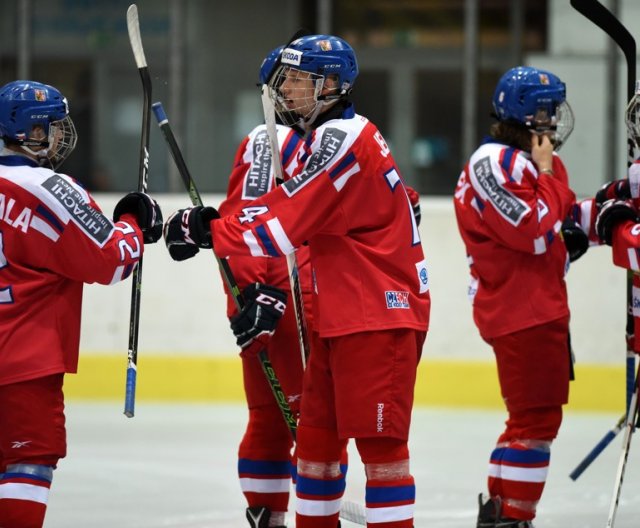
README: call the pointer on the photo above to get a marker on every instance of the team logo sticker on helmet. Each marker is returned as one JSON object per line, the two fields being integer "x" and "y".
{"x": 40, "y": 95}
{"x": 325, "y": 45}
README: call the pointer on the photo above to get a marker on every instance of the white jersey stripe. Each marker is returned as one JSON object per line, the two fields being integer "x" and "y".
{"x": 340, "y": 182}
{"x": 254, "y": 247}
{"x": 40, "y": 225}
{"x": 285, "y": 245}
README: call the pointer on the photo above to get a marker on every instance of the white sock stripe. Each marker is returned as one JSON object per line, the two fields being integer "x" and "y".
{"x": 519, "y": 474}
{"x": 317, "y": 508}
{"x": 390, "y": 513}
{"x": 265, "y": 485}
{"x": 19, "y": 491}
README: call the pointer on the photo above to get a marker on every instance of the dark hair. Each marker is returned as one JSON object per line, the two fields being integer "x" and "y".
{"x": 513, "y": 134}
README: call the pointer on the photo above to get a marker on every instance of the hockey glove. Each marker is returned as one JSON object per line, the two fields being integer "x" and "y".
{"x": 614, "y": 190}
{"x": 188, "y": 230}
{"x": 258, "y": 319}
{"x": 414, "y": 198}
{"x": 146, "y": 211}
{"x": 575, "y": 239}
{"x": 612, "y": 213}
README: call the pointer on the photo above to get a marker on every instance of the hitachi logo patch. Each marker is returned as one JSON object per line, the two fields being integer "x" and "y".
{"x": 91, "y": 221}
{"x": 291, "y": 56}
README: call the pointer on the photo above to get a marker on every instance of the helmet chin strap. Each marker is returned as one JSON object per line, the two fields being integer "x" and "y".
{"x": 321, "y": 106}
{"x": 41, "y": 156}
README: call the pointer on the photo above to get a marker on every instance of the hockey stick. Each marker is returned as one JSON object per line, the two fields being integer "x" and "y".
{"x": 292, "y": 263}
{"x": 605, "y": 20}
{"x": 133, "y": 27}
{"x": 223, "y": 264}
{"x": 599, "y": 448}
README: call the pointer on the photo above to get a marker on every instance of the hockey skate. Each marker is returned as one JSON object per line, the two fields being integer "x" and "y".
{"x": 489, "y": 515}
{"x": 259, "y": 516}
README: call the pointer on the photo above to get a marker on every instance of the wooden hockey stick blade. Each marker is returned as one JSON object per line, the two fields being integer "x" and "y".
{"x": 133, "y": 26}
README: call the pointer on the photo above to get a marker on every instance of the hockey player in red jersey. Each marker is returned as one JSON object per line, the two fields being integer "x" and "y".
{"x": 265, "y": 452}
{"x": 53, "y": 238}
{"x": 370, "y": 284}
{"x": 517, "y": 217}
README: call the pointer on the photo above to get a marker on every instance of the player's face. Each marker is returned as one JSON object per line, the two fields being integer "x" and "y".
{"x": 299, "y": 91}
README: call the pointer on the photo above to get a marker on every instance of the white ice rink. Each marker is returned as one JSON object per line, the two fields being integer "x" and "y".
{"x": 175, "y": 466}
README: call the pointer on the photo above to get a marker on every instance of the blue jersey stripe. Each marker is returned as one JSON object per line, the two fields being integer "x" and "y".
{"x": 266, "y": 241}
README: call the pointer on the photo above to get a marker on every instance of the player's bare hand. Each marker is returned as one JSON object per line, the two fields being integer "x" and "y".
{"x": 542, "y": 151}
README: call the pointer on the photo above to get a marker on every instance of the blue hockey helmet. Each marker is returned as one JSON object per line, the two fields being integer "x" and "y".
{"x": 28, "y": 104}
{"x": 328, "y": 61}
{"x": 268, "y": 64}
{"x": 323, "y": 55}
{"x": 535, "y": 98}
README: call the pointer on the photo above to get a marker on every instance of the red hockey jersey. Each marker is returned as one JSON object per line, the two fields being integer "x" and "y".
{"x": 349, "y": 203}
{"x": 252, "y": 177}
{"x": 53, "y": 238}
{"x": 509, "y": 217}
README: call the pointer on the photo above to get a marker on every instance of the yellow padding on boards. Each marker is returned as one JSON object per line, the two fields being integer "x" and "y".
{"x": 210, "y": 379}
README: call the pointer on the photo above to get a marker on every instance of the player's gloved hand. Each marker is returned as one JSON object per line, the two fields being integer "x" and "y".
{"x": 188, "y": 230}
{"x": 575, "y": 239}
{"x": 414, "y": 198}
{"x": 613, "y": 190}
{"x": 612, "y": 213}
{"x": 258, "y": 319}
{"x": 146, "y": 212}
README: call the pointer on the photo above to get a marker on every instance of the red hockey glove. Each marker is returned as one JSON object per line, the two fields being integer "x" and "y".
{"x": 258, "y": 319}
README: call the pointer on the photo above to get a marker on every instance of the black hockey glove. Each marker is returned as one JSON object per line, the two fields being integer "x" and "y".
{"x": 146, "y": 211}
{"x": 575, "y": 239}
{"x": 188, "y": 230}
{"x": 614, "y": 190}
{"x": 612, "y": 213}
{"x": 257, "y": 321}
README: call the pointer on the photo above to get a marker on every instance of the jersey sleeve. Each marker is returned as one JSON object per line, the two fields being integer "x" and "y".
{"x": 285, "y": 218}
{"x": 523, "y": 210}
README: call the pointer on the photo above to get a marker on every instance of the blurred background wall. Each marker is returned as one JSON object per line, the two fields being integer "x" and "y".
{"x": 428, "y": 70}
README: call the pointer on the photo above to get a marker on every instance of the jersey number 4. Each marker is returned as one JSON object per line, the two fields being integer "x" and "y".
{"x": 5, "y": 291}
